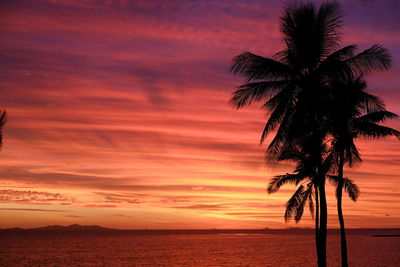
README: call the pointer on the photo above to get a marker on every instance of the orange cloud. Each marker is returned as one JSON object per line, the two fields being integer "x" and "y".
{"x": 121, "y": 107}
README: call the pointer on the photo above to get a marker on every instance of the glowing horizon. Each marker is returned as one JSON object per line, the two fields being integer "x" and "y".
{"x": 118, "y": 115}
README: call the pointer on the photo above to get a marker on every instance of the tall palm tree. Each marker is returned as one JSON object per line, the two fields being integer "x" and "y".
{"x": 292, "y": 85}
{"x": 354, "y": 113}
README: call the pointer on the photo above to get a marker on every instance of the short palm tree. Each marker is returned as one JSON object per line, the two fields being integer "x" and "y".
{"x": 293, "y": 84}
{"x": 306, "y": 175}
{"x": 353, "y": 113}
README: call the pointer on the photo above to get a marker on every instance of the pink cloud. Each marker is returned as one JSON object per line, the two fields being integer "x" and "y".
{"x": 126, "y": 103}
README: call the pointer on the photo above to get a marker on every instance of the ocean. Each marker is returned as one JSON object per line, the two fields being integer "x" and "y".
{"x": 191, "y": 249}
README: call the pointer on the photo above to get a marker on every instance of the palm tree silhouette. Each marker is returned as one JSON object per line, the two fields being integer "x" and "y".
{"x": 354, "y": 113}
{"x": 305, "y": 174}
{"x": 294, "y": 85}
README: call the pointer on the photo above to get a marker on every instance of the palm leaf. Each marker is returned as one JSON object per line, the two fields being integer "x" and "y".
{"x": 377, "y": 116}
{"x": 351, "y": 153}
{"x": 293, "y": 203}
{"x": 275, "y": 148}
{"x": 371, "y": 103}
{"x": 307, "y": 194}
{"x": 374, "y": 131}
{"x": 248, "y": 93}
{"x": 280, "y": 107}
{"x": 371, "y": 59}
{"x": 334, "y": 179}
{"x": 334, "y": 66}
{"x": 255, "y": 67}
{"x": 311, "y": 201}
{"x": 280, "y": 180}
{"x": 341, "y": 54}
{"x": 345, "y": 184}
{"x": 330, "y": 17}
{"x": 351, "y": 188}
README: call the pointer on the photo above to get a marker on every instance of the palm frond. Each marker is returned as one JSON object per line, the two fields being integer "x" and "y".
{"x": 371, "y": 103}
{"x": 354, "y": 94}
{"x": 352, "y": 155}
{"x": 333, "y": 65}
{"x": 309, "y": 34}
{"x": 335, "y": 70}
{"x": 345, "y": 184}
{"x": 293, "y": 154}
{"x": 341, "y": 54}
{"x": 294, "y": 202}
{"x": 327, "y": 163}
{"x": 248, "y": 93}
{"x": 279, "y": 112}
{"x": 311, "y": 201}
{"x": 255, "y": 67}
{"x": 280, "y": 180}
{"x": 287, "y": 94}
{"x": 330, "y": 17}
{"x": 333, "y": 179}
{"x": 373, "y": 131}
{"x": 280, "y": 139}
{"x": 351, "y": 188}
{"x": 372, "y": 59}
{"x": 377, "y": 116}
{"x": 307, "y": 194}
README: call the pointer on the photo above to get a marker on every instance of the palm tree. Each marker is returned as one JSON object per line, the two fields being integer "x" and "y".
{"x": 306, "y": 174}
{"x": 293, "y": 84}
{"x": 3, "y": 119}
{"x": 354, "y": 113}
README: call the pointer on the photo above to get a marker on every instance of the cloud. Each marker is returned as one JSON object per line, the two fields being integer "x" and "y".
{"x": 124, "y": 104}
{"x": 96, "y": 206}
{"x": 75, "y": 216}
{"x": 124, "y": 216}
{"x": 204, "y": 207}
{"x": 256, "y": 214}
{"x": 32, "y": 197}
{"x": 119, "y": 198}
{"x": 40, "y": 210}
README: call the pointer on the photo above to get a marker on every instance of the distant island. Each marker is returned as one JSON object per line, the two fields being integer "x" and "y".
{"x": 96, "y": 229}
{"x": 72, "y": 227}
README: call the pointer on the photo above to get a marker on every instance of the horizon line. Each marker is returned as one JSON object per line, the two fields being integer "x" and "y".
{"x": 192, "y": 229}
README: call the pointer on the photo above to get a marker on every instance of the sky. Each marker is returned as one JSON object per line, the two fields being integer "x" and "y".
{"x": 118, "y": 115}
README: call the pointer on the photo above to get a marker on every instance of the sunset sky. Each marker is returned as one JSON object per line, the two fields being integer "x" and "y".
{"x": 118, "y": 115}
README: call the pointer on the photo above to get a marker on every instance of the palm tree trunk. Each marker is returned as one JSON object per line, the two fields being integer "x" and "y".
{"x": 339, "y": 193}
{"x": 323, "y": 225}
{"x": 317, "y": 220}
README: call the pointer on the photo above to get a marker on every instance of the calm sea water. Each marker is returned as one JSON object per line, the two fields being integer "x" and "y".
{"x": 191, "y": 250}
